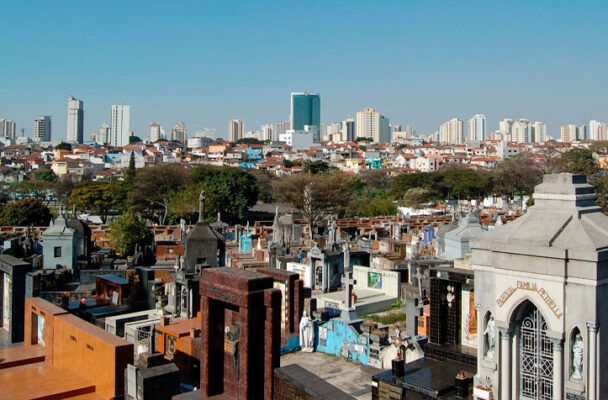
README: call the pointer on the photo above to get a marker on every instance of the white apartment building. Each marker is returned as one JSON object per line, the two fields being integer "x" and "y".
{"x": 334, "y": 132}
{"x": 154, "y": 132}
{"x": 103, "y": 134}
{"x": 372, "y": 125}
{"x": 179, "y": 133}
{"x": 477, "y": 128}
{"x": 538, "y": 132}
{"x": 425, "y": 164}
{"x": 520, "y": 132}
{"x": 298, "y": 139}
{"x": 267, "y": 132}
{"x": 598, "y": 130}
{"x": 121, "y": 125}
{"x": 451, "y": 132}
{"x": 75, "y": 126}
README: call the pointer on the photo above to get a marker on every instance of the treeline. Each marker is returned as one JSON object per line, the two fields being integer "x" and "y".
{"x": 167, "y": 193}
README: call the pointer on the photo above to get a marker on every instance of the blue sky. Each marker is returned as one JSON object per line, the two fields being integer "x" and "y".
{"x": 417, "y": 62}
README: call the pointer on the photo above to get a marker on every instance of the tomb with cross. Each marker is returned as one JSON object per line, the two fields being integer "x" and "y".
{"x": 348, "y": 310}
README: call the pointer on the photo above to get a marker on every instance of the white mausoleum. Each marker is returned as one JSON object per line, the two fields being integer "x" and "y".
{"x": 541, "y": 291}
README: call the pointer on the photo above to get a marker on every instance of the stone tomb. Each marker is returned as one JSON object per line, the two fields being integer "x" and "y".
{"x": 241, "y": 333}
{"x": 540, "y": 285}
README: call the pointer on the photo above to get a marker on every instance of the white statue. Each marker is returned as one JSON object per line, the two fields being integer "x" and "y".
{"x": 307, "y": 334}
{"x": 490, "y": 332}
{"x": 577, "y": 357}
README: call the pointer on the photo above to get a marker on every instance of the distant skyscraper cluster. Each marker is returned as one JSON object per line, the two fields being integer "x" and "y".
{"x": 305, "y": 120}
{"x": 75, "y": 126}
{"x": 523, "y": 131}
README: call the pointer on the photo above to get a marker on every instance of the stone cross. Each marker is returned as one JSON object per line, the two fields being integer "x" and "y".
{"x": 201, "y": 205}
{"x": 348, "y": 281}
{"x": 419, "y": 275}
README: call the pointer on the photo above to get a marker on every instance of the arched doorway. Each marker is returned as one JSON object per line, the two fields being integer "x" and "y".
{"x": 535, "y": 356}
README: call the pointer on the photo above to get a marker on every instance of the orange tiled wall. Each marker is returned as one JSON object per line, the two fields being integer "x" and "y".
{"x": 92, "y": 353}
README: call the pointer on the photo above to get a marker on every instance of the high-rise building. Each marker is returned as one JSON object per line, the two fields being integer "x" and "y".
{"x": 597, "y": 130}
{"x": 520, "y": 132}
{"x": 348, "y": 130}
{"x": 267, "y": 132}
{"x": 154, "y": 132}
{"x": 451, "y": 132}
{"x": 538, "y": 132}
{"x": 103, "y": 134}
{"x": 505, "y": 126}
{"x": 568, "y": 133}
{"x": 333, "y": 132}
{"x": 8, "y": 128}
{"x": 372, "y": 125}
{"x": 477, "y": 128}
{"x": 280, "y": 128}
{"x": 594, "y": 129}
{"x": 179, "y": 133}
{"x": 75, "y": 129}
{"x": 42, "y": 128}
{"x": 121, "y": 125}
{"x": 305, "y": 110}
{"x": 235, "y": 130}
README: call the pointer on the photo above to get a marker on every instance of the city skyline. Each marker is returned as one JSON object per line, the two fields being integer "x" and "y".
{"x": 196, "y": 81}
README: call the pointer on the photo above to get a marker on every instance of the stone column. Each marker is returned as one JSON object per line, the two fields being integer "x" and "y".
{"x": 558, "y": 369}
{"x": 480, "y": 337}
{"x": 592, "y": 328}
{"x": 505, "y": 364}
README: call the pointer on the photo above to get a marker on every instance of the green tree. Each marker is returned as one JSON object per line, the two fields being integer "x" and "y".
{"x": 152, "y": 188}
{"x": 37, "y": 189}
{"x": 577, "y": 161}
{"x": 414, "y": 197}
{"x": 47, "y": 175}
{"x": 249, "y": 141}
{"x": 517, "y": 175}
{"x": 318, "y": 167}
{"x": 64, "y": 146}
{"x": 127, "y": 231}
{"x": 315, "y": 196}
{"x": 25, "y": 212}
{"x": 231, "y": 190}
{"x": 185, "y": 203}
{"x": 378, "y": 205}
{"x": 96, "y": 198}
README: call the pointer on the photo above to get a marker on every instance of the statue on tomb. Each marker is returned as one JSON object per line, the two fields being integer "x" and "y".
{"x": 347, "y": 257}
{"x": 307, "y": 333}
{"x": 577, "y": 357}
{"x": 490, "y": 333}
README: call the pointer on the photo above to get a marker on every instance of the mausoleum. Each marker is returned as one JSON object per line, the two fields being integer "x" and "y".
{"x": 540, "y": 290}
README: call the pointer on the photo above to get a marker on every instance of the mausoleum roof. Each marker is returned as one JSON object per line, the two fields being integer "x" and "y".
{"x": 564, "y": 217}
